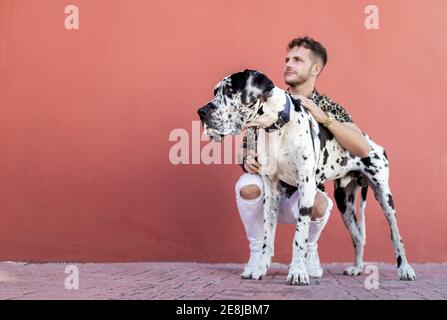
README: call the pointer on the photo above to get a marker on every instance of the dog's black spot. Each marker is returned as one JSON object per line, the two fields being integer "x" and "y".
{"x": 299, "y": 219}
{"x": 339, "y": 195}
{"x": 312, "y": 134}
{"x": 307, "y": 179}
{"x": 325, "y": 156}
{"x": 399, "y": 261}
{"x": 324, "y": 135}
{"x": 304, "y": 158}
{"x": 370, "y": 171}
{"x": 264, "y": 246}
{"x": 344, "y": 161}
{"x": 384, "y": 154}
{"x": 332, "y": 167}
{"x": 317, "y": 171}
{"x": 321, "y": 187}
{"x": 288, "y": 189}
{"x": 306, "y": 211}
{"x": 390, "y": 201}
{"x": 296, "y": 243}
{"x": 367, "y": 162}
{"x": 376, "y": 156}
{"x": 296, "y": 105}
{"x": 260, "y": 112}
{"x": 364, "y": 192}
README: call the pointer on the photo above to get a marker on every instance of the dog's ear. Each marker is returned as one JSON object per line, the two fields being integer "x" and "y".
{"x": 252, "y": 84}
{"x": 259, "y": 87}
{"x": 262, "y": 82}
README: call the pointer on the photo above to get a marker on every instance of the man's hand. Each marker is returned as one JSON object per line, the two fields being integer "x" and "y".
{"x": 347, "y": 134}
{"x": 315, "y": 110}
{"x": 250, "y": 163}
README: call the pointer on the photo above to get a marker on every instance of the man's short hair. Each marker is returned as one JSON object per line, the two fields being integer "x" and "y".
{"x": 307, "y": 42}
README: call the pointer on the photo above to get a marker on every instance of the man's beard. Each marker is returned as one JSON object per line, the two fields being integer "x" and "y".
{"x": 298, "y": 81}
{"x": 301, "y": 78}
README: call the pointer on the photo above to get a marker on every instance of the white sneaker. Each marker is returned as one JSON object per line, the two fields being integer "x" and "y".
{"x": 313, "y": 261}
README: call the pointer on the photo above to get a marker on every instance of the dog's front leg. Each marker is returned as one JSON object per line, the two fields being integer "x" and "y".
{"x": 306, "y": 196}
{"x": 271, "y": 203}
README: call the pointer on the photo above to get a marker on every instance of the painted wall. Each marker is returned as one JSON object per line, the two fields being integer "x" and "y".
{"x": 85, "y": 118}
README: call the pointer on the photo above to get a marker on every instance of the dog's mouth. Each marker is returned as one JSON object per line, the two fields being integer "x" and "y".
{"x": 213, "y": 133}
{"x": 218, "y": 136}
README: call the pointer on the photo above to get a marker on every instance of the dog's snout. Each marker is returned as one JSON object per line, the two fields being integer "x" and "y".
{"x": 203, "y": 111}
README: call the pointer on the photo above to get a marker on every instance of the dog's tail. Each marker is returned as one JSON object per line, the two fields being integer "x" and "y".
{"x": 362, "y": 213}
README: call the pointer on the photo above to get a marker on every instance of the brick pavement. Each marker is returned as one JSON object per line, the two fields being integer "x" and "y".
{"x": 184, "y": 281}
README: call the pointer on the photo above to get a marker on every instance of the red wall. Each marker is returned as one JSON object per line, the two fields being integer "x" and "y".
{"x": 85, "y": 117}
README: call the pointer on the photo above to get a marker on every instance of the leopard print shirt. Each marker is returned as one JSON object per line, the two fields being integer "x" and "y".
{"x": 327, "y": 105}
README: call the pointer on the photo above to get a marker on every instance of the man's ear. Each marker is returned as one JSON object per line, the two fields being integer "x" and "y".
{"x": 317, "y": 68}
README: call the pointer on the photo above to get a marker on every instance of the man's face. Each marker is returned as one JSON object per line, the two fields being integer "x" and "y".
{"x": 298, "y": 67}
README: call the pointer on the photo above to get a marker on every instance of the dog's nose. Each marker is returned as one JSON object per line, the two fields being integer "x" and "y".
{"x": 203, "y": 111}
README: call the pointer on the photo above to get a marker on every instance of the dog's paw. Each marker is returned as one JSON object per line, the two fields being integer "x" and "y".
{"x": 257, "y": 270}
{"x": 406, "y": 272}
{"x": 248, "y": 271}
{"x": 300, "y": 278}
{"x": 353, "y": 271}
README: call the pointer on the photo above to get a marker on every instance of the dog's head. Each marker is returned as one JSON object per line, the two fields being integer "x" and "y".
{"x": 237, "y": 100}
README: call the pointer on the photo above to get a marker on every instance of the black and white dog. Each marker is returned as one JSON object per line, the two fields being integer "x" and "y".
{"x": 297, "y": 150}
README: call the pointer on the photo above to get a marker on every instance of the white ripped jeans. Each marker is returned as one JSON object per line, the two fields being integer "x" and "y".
{"x": 251, "y": 212}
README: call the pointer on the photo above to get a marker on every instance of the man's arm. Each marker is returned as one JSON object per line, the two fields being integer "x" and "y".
{"x": 347, "y": 133}
{"x": 248, "y": 158}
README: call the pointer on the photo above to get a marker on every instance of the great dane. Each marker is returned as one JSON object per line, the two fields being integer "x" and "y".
{"x": 298, "y": 151}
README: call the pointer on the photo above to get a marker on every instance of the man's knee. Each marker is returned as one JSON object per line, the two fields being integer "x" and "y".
{"x": 320, "y": 206}
{"x": 250, "y": 192}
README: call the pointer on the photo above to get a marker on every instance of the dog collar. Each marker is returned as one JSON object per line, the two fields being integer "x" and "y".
{"x": 283, "y": 117}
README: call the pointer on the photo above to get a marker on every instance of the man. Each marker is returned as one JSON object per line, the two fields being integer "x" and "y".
{"x": 304, "y": 61}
